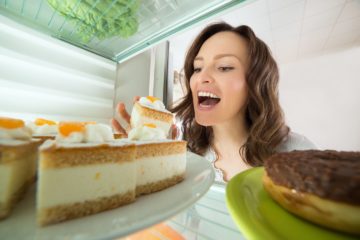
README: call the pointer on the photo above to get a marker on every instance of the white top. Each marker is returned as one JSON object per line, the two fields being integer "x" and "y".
{"x": 294, "y": 141}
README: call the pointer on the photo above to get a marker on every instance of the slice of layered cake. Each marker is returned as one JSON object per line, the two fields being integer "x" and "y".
{"x": 161, "y": 162}
{"x": 84, "y": 171}
{"x": 151, "y": 110}
{"x": 18, "y": 156}
{"x": 43, "y": 129}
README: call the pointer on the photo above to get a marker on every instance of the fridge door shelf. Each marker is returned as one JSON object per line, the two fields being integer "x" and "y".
{"x": 114, "y": 29}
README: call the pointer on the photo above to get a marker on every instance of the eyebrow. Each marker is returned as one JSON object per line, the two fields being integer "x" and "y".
{"x": 221, "y": 56}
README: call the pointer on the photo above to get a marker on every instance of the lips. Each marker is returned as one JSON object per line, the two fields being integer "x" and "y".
{"x": 207, "y": 99}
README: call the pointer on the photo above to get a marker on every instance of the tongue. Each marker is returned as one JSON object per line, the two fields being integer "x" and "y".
{"x": 210, "y": 102}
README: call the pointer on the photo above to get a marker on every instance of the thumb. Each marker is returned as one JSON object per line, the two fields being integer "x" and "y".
{"x": 174, "y": 131}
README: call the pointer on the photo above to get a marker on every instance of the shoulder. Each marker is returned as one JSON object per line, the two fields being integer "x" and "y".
{"x": 295, "y": 141}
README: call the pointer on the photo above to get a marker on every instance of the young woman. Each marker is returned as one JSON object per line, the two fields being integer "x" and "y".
{"x": 231, "y": 112}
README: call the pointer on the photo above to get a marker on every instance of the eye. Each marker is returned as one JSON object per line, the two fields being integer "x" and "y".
{"x": 226, "y": 69}
{"x": 197, "y": 69}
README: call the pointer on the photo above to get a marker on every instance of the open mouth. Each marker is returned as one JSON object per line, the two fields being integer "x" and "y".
{"x": 207, "y": 99}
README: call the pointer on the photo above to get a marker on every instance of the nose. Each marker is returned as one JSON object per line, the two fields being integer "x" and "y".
{"x": 205, "y": 76}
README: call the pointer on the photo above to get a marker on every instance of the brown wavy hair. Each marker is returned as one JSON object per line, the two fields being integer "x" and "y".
{"x": 264, "y": 116}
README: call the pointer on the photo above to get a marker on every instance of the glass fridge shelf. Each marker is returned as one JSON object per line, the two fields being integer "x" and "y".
{"x": 114, "y": 29}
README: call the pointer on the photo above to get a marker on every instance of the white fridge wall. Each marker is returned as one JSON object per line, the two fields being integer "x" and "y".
{"x": 133, "y": 79}
{"x": 43, "y": 77}
{"x": 320, "y": 98}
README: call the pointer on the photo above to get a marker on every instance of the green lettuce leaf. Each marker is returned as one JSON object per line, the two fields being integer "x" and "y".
{"x": 99, "y": 18}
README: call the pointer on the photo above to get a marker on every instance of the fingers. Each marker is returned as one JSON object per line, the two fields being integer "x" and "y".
{"x": 136, "y": 98}
{"x": 124, "y": 127}
{"x": 116, "y": 126}
{"x": 123, "y": 113}
{"x": 174, "y": 132}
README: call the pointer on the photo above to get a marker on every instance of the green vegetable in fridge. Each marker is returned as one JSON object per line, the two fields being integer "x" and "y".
{"x": 100, "y": 18}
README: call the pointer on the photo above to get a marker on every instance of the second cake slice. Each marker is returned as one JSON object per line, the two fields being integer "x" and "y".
{"x": 81, "y": 176}
{"x": 150, "y": 110}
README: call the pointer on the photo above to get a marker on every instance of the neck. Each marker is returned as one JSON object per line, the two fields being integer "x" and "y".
{"x": 229, "y": 136}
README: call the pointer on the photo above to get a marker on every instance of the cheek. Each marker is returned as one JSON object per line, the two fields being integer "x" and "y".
{"x": 192, "y": 84}
{"x": 239, "y": 84}
{"x": 237, "y": 87}
{"x": 237, "y": 95}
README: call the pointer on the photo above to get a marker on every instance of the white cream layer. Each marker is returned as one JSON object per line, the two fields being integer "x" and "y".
{"x": 58, "y": 186}
{"x": 13, "y": 175}
{"x": 41, "y": 130}
{"x": 146, "y": 133}
{"x": 138, "y": 120}
{"x": 7, "y": 185}
{"x": 22, "y": 133}
{"x": 154, "y": 169}
{"x": 94, "y": 133}
{"x": 13, "y": 142}
{"x": 157, "y": 104}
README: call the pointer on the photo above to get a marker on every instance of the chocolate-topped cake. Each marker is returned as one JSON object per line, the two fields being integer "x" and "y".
{"x": 321, "y": 186}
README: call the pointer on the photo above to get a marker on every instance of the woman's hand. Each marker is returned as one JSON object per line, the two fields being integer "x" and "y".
{"x": 123, "y": 114}
{"x": 174, "y": 131}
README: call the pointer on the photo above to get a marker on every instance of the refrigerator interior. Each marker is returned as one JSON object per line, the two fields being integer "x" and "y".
{"x": 54, "y": 68}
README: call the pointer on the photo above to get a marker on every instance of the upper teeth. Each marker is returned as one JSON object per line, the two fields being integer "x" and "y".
{"x": 207, "y": 94}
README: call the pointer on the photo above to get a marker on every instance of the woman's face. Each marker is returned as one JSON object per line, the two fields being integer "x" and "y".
{"x": 218, "y": 83}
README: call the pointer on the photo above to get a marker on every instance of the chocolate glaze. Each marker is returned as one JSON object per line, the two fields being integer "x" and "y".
{"x": 328, "y": 174}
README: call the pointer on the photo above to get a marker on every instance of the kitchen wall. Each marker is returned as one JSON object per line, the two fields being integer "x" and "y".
{"x": 320, "y": 98}
{"x": 44, "y": 77}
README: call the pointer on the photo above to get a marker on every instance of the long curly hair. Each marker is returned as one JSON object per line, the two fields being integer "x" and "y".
{"x": 264, "y": 116}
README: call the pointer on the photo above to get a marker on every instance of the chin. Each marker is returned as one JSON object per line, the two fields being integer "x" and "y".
{"x": 204, "y": 121}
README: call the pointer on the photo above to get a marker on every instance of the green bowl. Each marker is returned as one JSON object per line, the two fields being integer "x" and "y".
{"x": 258, "y": 216}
